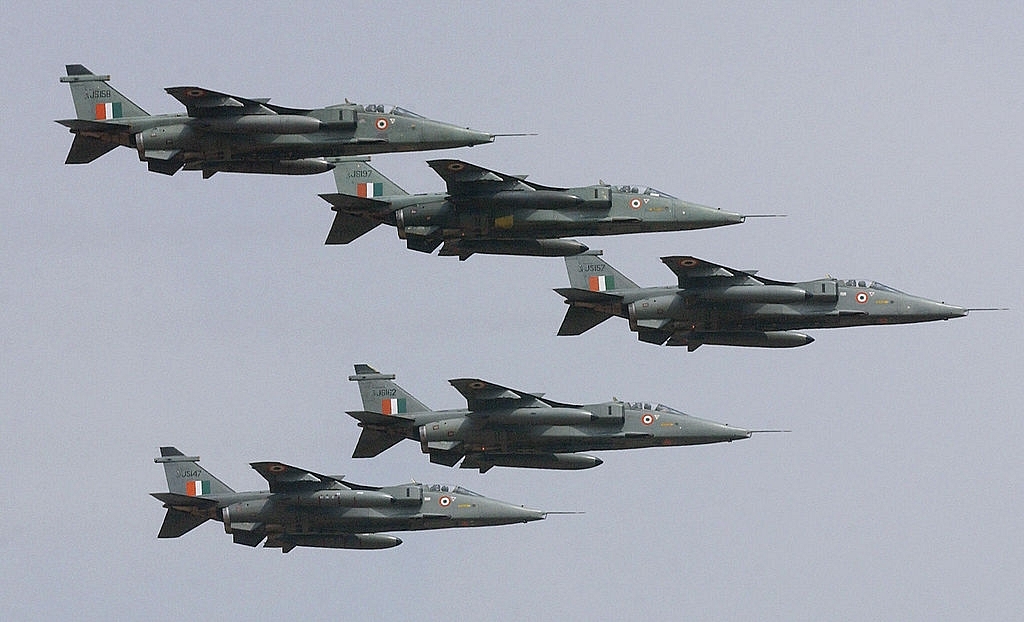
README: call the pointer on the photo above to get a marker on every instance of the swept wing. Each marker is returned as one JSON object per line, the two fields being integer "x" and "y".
{"x": 484, "y": 395}
{"x": 463, "y": 178}
{"x": 285, "y": 478}
{"x": 694, "y": 272}
{"x": 200, "y": 102}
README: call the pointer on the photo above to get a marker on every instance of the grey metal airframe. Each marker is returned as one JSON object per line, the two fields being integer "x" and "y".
{"x": 222, "y": 132}
{"x": 715, "y": 305}
{"x": 303, "y": 508}
{"x": 489, "y": 212}
{"x": 512, "y": 428}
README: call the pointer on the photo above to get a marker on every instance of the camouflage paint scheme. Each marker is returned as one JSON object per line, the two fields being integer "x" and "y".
{"x": 712, "y": 304}
{"x": 221, "y": 132}
{"x": 513, "y": 428}
{"x": 303, "y": 508}
{"x": 490, "y": 212}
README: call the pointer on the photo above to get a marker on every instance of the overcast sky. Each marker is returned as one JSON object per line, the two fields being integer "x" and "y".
{"x": 139, "y": 310}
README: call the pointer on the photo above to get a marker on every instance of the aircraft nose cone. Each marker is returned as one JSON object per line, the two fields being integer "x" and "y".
{"x": 445, "y": 135}
{"x": 923, "y": 310}
{"x": 699, "y": 431}
{"x": 526, "y": 514}
{"x": 955, "y": 312}
{"x": 473, "y": 137}
{"x": 729, "y": 433}
{"x": 703, "y": 217}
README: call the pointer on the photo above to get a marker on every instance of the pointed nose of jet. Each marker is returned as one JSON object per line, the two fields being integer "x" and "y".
{"x": 470, "y": 137}
{"x": 501, "y": 513}
{"x": 924, "y": 310}
{"x": 527, "y": 515}
{"x": 701, "y": 431}
{"x": 704, "y": 217}
{"x": 439, "y": 135}
{"x": 727, "y": 433}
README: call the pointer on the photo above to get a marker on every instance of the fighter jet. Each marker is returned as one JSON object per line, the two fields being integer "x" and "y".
{"x": 303, "y": 508}
{"x": 716, "y": 305}
{"x": 484, "y": 211}
{"x": 222, "y": 132}
{"x": 512, "y": 428}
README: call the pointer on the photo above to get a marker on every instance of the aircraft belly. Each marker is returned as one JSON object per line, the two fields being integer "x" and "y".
{"x": 761, "y": 317}
{"x": 560, "y": 439}
{"x": 352, "y": 520}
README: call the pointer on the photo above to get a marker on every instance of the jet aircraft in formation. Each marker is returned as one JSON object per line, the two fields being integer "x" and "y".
{"x": 482, "y": 211}
{"x": 716, "y": 305}
{"x": 489, "y": 212}
{"x": 221, "y": 132}
{"x": 303, "y": 508}
{"x": 512, "y": 428}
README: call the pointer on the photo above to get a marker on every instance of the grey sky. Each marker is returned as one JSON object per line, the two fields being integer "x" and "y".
{"x": 140, "y": 310}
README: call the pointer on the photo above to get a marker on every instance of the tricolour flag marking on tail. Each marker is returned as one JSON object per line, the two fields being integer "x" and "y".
{"x": 392, "y": 406}
{"x": 601, "y": 283}
{"x": 197, "y": 488}
{"x": 109, "y": 110}
{"x": 370, "y": 190}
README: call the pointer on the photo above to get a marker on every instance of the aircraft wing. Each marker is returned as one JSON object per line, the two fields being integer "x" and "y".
{"x": 463, "y": 178}
{"x": 285, "y": 478}
{"x": 200, "y": 102}
{"x": 484, "y": 395}
{"x": 694, "y": 272}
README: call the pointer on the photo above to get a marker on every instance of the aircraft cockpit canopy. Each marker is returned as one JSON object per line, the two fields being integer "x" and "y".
{"x": 651, "y": 192}
{"x": 869, "y": 285}
{"x": 458, "y": 490}
{"x": 395, "y": 111}
{"x": 647, "y": 406}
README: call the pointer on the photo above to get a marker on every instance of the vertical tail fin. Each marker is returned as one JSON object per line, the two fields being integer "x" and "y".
{"x": 95, "y": 100}
{"x": 356, "y": 177}
{"x": 588, "y": 271}
{"x": 186, "y": 477}
{"x": 381, "y": 395}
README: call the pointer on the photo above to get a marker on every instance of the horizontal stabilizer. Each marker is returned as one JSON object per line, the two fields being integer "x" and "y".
{"x": 85, "y": 125}
{"x": 85, "y": 149}
{"x": 352, "y": 203}
{"x": 575, "y": 294}
{"x": 367, "y": 417}
{"x": 579, "y": 320}
{"x": 177, "y": 523}
{"x": 348, "y": 227}
{"x": 373, "y": 442}
{"x": 180, "y": 500}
